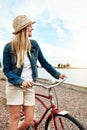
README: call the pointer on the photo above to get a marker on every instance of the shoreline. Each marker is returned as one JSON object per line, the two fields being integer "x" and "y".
{"x": 66, "y": 85}
{"x": 45, "y": 80}
{"x": 68, "y": 67}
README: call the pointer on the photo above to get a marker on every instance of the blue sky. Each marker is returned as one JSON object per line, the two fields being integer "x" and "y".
{"x": 60, "y": 29}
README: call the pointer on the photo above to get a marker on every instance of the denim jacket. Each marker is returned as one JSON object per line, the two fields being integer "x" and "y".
{"x": 13, "y": 73}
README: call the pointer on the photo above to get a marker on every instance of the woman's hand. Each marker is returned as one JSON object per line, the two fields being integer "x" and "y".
{"x": 62, "y": 76}
{"x": 27, "y": 84}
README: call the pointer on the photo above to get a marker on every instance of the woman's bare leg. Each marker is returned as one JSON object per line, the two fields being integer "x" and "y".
{"x": 29, "y": 115}
{"x": 14, "y": 116}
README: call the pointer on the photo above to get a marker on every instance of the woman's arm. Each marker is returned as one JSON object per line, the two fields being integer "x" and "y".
{"x": 7, "y": 67}
{"x": 49, "y": 68}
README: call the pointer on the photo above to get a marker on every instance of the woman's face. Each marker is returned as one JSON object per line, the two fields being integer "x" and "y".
{"x": 30, "y": 28}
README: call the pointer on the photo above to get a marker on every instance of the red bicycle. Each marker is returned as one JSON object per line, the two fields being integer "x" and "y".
{"x": 56, "y": 119}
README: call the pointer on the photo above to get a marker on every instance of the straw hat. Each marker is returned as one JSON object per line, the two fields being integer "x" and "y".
{"x": 21, "y": 22}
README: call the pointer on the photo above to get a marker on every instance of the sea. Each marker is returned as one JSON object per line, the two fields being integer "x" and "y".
{"x": 74, "y": 76}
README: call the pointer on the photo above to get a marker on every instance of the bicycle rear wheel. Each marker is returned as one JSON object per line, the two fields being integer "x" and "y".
{"x": 64, "y": 122}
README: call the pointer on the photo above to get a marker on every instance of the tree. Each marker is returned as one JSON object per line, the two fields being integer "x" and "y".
{"x": 67, "y": 65}
{"x": 59, "y": 66}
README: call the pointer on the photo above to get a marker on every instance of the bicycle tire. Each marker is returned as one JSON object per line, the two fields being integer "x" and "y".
{"x": 69, "y": 123}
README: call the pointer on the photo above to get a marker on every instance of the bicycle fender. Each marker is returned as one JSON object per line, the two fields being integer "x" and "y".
{"x": 63, "y": 112}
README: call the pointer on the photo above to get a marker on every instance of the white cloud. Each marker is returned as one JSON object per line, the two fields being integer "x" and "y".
{"x": 55, "y": 55}
{"x": 71, "y": 12}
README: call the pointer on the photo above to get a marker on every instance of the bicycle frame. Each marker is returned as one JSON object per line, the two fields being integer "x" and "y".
{"x": 52, "y": 107}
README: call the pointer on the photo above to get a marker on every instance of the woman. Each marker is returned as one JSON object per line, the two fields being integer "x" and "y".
{"x": 20, "y": 67}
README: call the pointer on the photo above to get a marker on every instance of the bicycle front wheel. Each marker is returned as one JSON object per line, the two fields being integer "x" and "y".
{"x": 63, "y": 122}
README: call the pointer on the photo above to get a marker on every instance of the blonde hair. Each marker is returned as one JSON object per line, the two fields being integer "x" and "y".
{"x": 20, "y": 44}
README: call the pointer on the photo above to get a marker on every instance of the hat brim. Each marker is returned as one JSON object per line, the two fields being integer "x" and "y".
{"x": 22, "y": 27}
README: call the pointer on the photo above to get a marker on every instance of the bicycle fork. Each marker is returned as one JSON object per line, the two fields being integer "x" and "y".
{"x": 54, "y": 112}
{"x": 57, "y": 121}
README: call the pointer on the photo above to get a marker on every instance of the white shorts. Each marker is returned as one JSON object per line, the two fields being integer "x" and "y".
{"x": 20, "y": 96}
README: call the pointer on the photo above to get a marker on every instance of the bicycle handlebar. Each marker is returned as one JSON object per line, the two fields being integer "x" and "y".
{"x": 56, "y": 83}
